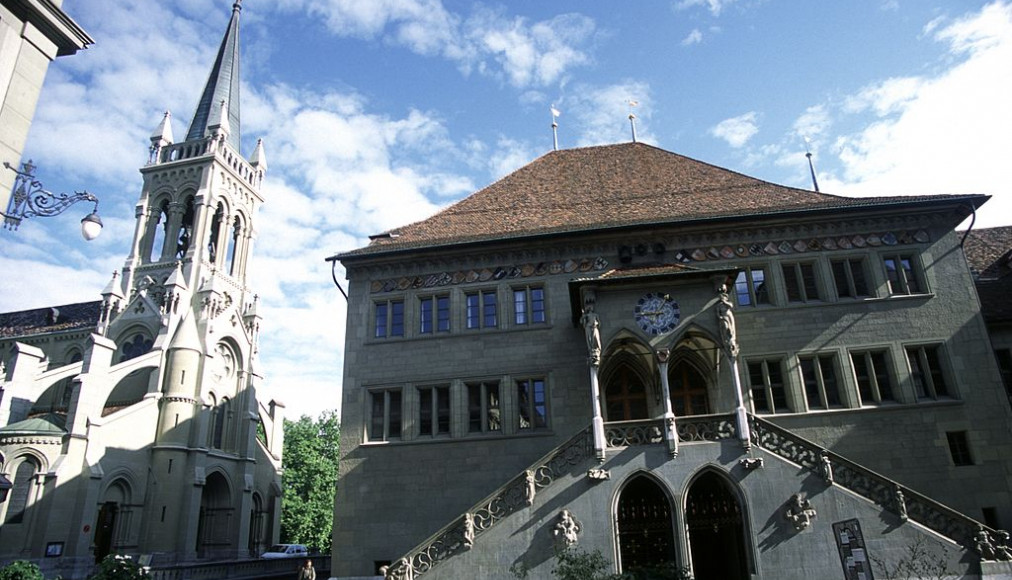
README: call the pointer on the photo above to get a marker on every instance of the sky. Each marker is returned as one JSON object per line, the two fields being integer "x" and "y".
{"x": 376, "y": 114}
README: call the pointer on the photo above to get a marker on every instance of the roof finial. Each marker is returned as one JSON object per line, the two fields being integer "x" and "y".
{"x": 632, "y": 119}
{"x": 555, "y": 127}
{"x": 811, "y": 166}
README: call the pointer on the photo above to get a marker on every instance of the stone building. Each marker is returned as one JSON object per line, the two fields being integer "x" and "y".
{"x": 131, "y": 424}
{"x": 989, "y": 252}
{"x": 32, "y": 34}
{"x": 630, "y": 351}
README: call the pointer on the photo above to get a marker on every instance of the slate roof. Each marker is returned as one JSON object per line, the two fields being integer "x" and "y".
{"x": 613, "y": 186}
{"x": 989, "y": 253}
{"x": 52, "y": 319}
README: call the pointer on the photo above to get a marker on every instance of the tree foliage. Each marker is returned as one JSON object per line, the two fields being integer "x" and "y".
{"x": 20, "y": 570}
{"x": 309, "y": 459}
{"x": 117, "y": 567}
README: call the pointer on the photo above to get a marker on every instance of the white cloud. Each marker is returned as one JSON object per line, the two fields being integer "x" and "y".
{"x": 948, "y": 133}
{"x": 694, "y": 37}
{"x": 737, "y": 130}
{"x": 714, "y": 6}
{"x": 601, "y": 114}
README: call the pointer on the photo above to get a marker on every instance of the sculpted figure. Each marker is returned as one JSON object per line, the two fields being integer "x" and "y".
{"x": 531, "y": 487}
{"x": 468, "y": 530}
{"x": 725, "y": 316}
{"x": 592, "y": 329}
{"x": 567, "y": 528}
{"x": 799, "y": 512}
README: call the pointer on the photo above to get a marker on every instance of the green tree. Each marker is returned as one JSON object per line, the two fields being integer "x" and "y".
{"x": 310, "y": 464}
{"x": 20, "y": 570}
{"x": 117, "y": 567}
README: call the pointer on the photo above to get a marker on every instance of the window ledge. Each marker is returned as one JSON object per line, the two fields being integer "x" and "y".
{"x": 885, "y": 407}
{"x": 464, "y": 439}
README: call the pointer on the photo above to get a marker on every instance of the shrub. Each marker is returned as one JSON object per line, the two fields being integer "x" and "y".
{"x": 117, "y": 567}
{"x": 21, "y": 570}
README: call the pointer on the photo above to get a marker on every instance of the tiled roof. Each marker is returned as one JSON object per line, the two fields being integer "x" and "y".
{"x": 989, "y": 253}
{"x": 607, "y": 187}
{"x": 43, "y": 320}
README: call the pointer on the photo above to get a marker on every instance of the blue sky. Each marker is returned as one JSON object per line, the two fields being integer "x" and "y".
{"x": 377, "y": 113}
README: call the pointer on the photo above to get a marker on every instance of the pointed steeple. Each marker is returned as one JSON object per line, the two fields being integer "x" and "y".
{"x": 222, "y": 85}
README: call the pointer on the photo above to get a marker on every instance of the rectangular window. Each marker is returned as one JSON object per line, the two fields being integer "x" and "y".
{"x": 433, "y": 410}
{"x": 434, "y": 314}
{"x": 959, "y": 448}
{"x": 481, "y": 309}
{"x": 871, "y": 372}
{"x": 800, "y": 283}
{"x": 532, "y": 403}
{"x": 483, "y": 407}
{"x": 389, "y": 317}
{"x": 818, "y": 373}
{"x": 385, "y": 419}
{"x": 848, "y": 275}
{"x": 750, "y": 287}
{"x": 901, "y": 276}
{"x": 926, "y": 372}
{"x": 529, "y": 306}
{"x": 766, "y": 385}
{"x": 1004, "y": 356}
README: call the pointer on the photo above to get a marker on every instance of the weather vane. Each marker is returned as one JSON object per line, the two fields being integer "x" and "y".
{"x": 555, "y": 126}
{"x": 632, "y": 118}
{"x": 811, "y": 166}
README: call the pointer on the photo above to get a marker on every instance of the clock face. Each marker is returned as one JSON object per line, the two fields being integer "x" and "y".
{"x": 657, "y": 313}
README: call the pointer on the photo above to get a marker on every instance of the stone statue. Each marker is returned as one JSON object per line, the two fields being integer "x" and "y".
{"x": 826, "y": 466}
{"x": 567, "y": 528}
{"x": 592, "y": 328}
{"x": 799, "y": 512}
{"x": 531, "y": 488}
{"x": 468, "y": 530}
{"x": 984, "y": 544}
{"x": 1002, "y": 550}
{"x": 725, "y": 316}
{"x": 901, "y": 504}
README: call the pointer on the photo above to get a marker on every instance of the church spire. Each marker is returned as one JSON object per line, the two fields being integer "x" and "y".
{"x": 222, "y": 85}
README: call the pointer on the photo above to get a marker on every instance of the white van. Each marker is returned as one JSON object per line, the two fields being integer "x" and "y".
{"x": 286, "y": 551}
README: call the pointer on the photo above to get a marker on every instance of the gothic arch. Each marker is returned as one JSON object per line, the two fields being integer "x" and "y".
{"x": 717, "y": 528}
{"x": 133, "y": 342}
{"x": 22, "y": 470}
{"x": 217, "y": 512}
{"x": 644, "y": 516}
{"x": 628, "y": 381}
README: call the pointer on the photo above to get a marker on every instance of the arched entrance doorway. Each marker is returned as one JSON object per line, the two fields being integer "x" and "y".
{"x": 688, "y": 390}
{"x": 714, "y": 520}
{"x": 625, "y": 394}
{"x": 113, "y": 515}
{"x": 646, "y": 537}
{"x": 213, "y": 528}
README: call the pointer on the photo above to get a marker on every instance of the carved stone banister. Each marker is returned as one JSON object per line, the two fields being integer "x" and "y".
{"x": 517, "y": 494}
{"x": 691, "y": 429}
{"x": 882, "y": 491}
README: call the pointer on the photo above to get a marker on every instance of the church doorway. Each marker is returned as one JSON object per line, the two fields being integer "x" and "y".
{"x": 646, "y": 537}
{"x": 714, "y": 519}
{"x": 104, "y": 529}
{"x": 688, "y": 390}
{"x": 213, "y": 528}
{"x": 625, "y": 395}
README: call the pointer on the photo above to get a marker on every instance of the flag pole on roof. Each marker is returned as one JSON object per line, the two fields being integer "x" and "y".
{"x": 632, "y": 119}
{"x": 811, "y": 166}
{"x": 555, "y": 128}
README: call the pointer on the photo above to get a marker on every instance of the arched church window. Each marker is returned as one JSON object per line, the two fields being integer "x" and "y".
{"x": 213, "y": 241}
{"x": 713, "y": 516}
{"x": 625, "y": 395}
{"x": 646, "y": 537}
{"x": 233, "y": 246}
{"x": 160, "y": 232}
{"x": 135, "y": 347}
{"x": 688, "y": 390}
{"x": 17, "y": 498}
{"x": 185, "y": 230}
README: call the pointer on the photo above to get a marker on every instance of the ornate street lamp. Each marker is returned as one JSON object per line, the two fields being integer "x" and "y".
{"x": 29, "y": 199}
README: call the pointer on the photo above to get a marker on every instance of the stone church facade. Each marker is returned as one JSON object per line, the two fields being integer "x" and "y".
{"x": 682, "y": 367}
{"x": 131, "y": 425}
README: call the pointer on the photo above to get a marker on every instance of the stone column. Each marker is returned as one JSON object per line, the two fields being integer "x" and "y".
{"x": 729, "y": 340}
{"x": 670, "y": 428}
{"x": 592, "y": 332}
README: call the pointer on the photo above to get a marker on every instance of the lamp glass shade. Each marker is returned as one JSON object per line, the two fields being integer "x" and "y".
{"x": 91, "y": 226}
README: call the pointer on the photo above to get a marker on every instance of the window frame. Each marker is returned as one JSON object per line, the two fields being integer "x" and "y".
{"x": 874, "y": 376}
{"x": 746, "y": 280}
{"x": 438, "y": 307}
{"x": 389, "y": 395}
{"x": 484, "y": 407}
{"x": 532, "y": 404}
{"x": 480, "y": 321}
{"x": 928, "y": 382}
{"x": 906, "y": 268}
{"x": 827, "y": 391}
{"x": 849, "y": 265}
{"x": 526, "y": 307}
{"x": 959, "y": 448}
{"x": 439, "y": 410}
{"x": 800, "y": 282}
{"x": 768, "y": 388}
{"x": 391, "y": 320}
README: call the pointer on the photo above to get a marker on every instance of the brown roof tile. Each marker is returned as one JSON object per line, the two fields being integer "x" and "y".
{"x": 989, "y": 253}
{"x": 605, "y": 187}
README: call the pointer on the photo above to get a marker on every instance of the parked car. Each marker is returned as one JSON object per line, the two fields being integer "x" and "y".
{"x": 286, "y": 551}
